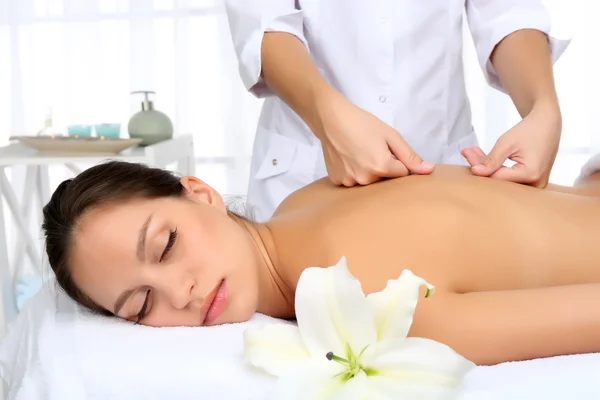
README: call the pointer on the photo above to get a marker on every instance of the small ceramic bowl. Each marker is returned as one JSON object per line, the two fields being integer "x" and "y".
{"x": 79, "y": 130}
{"x": 108, "y": 130}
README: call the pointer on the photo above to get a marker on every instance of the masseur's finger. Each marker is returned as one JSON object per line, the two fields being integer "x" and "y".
{"x": 395, "y": 168}
{"x": 495, "y": 159}
{"x": 402, "y": 151}
{"x": 518, "y": 173}
{"x": 480, "y": 153}
{"x": 473, "y": 155}
{"x": 476, "y": 156}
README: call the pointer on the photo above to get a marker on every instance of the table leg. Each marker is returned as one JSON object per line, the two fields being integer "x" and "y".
{"x": 13, "y": 205}
{"x": 44, "y": 194}
{"x": 20, "y": 248}
{"x": 9, "y": 309}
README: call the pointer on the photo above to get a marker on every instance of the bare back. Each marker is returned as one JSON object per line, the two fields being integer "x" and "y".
{"x": 516, "y": 268}
{"x": 458, "y": 231}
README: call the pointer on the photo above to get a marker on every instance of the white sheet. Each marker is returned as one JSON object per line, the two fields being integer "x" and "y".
{"x": 68, "y": 355}
{"x": 590, "y": 167}
{"x": 565, "y": 377}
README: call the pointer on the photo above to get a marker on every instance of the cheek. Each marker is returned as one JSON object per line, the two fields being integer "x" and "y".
{"x": 223, "y": 246}
{"x": 217, "y": 247}
{"x": 203, "y": 236}
{"x": 203, "y": 250}
{"x": 235, "y": 251}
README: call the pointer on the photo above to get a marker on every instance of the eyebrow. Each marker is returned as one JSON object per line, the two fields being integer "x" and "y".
{"x": 141, "y": 251}
{"x": 141, "y": 247}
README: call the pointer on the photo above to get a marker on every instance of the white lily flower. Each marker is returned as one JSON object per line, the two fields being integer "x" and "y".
{"x": 348, "y": 346}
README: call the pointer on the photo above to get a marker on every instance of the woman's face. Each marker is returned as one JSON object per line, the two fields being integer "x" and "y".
{"x": 168, "y": 261}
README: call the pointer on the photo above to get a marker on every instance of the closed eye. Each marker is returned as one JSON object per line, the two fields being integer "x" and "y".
{"x": 142, "y": 314}
{"x": 170, "y": 243}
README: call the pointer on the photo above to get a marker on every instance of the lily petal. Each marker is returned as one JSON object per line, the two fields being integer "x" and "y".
{"x": 332, "y": 311}
{"x": 418, "y": 363}
{"x": 395, "y": 306}
{"x": 275, "y": 348}
{"x": 311, "y": 379}
{"x": 356, "y": 388}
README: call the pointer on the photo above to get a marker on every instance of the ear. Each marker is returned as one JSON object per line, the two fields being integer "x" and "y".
{"x": 200, "y": 192}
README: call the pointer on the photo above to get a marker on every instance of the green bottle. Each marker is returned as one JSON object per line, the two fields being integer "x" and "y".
{"x": 150, "y": 125}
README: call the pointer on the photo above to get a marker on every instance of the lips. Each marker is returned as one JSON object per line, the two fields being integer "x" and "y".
{"x": 214, "y": 303}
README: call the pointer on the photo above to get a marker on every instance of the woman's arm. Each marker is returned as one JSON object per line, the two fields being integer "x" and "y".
{"x": 274, "y": 56}
{"x": 358, "y": 147}
{"x": 248, "y": 22}
{"x": 492, "y": 21}
{"x": 493, "y": 327}
{"x": 516, "y": 52}
{"x": 289, "y": 71}
{"x": 524, "y": 66}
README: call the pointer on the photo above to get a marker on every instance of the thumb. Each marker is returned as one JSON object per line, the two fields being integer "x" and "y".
{"x": 407, "y": 156}
{"x": 494, "y": 160}
{"x": 395, "y": 169}
{"x": 517, "y": 173}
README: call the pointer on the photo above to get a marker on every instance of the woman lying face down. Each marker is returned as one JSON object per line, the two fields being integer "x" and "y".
{"x": 144, "y": 245}
{"x": 515, "y": 267}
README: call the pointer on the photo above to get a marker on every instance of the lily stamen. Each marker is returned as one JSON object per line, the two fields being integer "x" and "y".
{"x": 330, "y": 356}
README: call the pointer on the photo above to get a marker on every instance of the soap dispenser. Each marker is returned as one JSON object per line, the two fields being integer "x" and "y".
{"x": 49, "y": 129}
{"x": 150, "y": 125}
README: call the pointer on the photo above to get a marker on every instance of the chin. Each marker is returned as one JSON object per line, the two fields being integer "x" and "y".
{"x": 227, "y": 319}
{"x": 233, "y": 315}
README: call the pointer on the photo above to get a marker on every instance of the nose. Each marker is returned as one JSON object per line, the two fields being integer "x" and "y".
{"x": 179, "y": 291}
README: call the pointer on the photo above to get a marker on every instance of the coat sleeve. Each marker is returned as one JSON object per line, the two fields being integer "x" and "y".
{"x": 248, "y": 21}
{"x": 490, "y": 21}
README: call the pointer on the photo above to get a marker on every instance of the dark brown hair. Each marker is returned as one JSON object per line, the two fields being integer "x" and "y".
{"x": 101, "y": 185}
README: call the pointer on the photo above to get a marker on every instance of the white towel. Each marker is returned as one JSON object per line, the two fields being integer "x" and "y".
{"x": 69, "y": 355}
{"x": 590, "y": 167}
{"x": 108, "y": 358}
{"x": 121, "y": 361}
{"x": 553, "y": 378}
{"x": 56, "y": 351}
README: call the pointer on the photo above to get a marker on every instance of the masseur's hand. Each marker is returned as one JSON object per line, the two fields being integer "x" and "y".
{"x": 532, "y": 144}
{"x": 361, "y": 149}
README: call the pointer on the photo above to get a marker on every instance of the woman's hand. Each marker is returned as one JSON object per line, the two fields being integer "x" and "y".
{"x": 532, "y": 144}
{"x": 358, "y": 147}
{"x": 361, "y": 149}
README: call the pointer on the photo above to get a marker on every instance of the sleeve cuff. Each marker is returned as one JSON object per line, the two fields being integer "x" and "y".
{"x": 505, "y": 26}
{"x": 251, "y": 61}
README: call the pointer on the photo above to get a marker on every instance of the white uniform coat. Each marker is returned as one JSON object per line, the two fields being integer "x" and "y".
{"x": 401, "y": 60}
